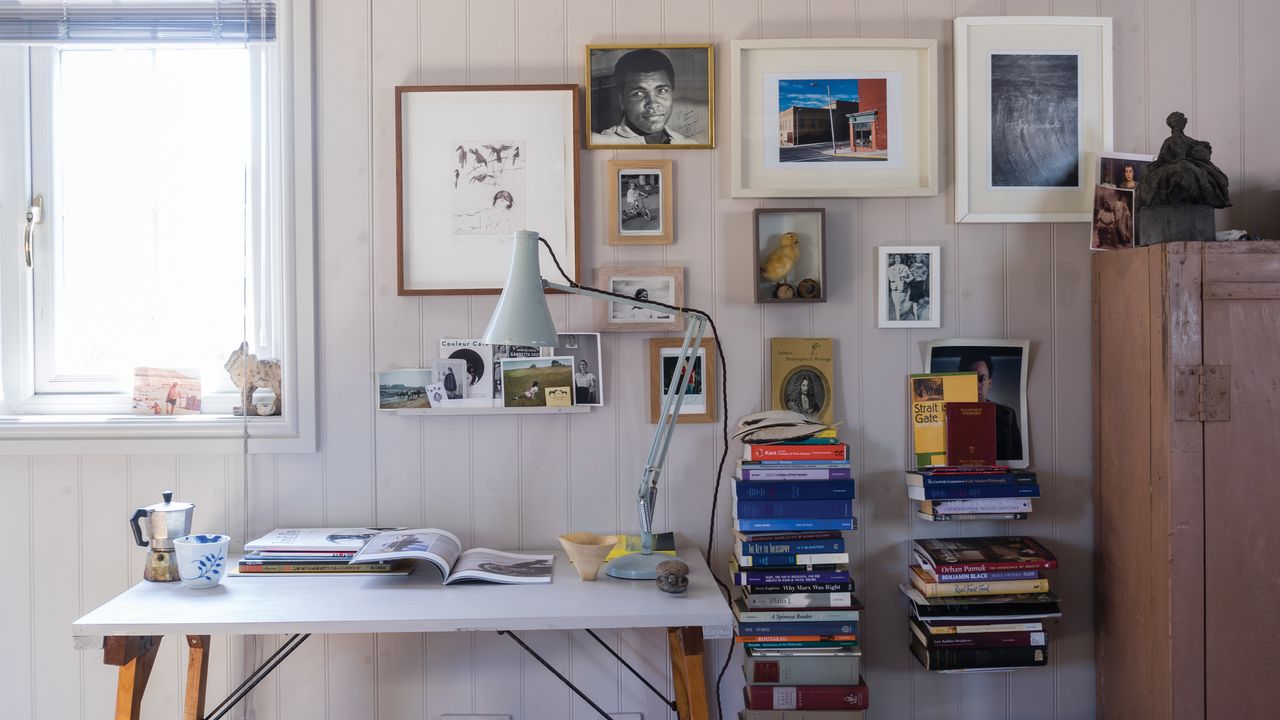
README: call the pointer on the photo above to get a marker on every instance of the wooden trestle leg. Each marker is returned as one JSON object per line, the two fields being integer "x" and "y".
{"x": 685, "y": 644}
{"x": 135, "y": 656}
{"x": 197, "y": 677}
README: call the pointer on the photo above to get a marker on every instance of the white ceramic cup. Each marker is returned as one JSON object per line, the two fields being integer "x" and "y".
{"x": 202, "y": 559}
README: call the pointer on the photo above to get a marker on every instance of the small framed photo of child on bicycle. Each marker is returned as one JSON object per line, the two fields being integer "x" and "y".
{"x": 640, "y": 202}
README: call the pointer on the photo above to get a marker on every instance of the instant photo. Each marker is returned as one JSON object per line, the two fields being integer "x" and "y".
{"x": 401, "y": 389}
{"x": 165, "y": 391}
{"x": 452, "y": 374}
{"x": 588, "y": 379}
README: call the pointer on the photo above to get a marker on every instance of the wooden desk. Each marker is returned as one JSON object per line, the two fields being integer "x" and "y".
{"x": 129, "y": 627}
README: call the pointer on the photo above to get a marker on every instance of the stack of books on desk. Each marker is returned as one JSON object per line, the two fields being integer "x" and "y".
{"x": 980, "y": 603}
{"x": 310, "y": 551}
{"x": 972, "y": 493}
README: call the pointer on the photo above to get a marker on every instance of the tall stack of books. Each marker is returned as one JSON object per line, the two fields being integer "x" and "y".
{"x": 987, "y": 492}
{"x": 797, "y": 616}
{"x": 980, "y": 603}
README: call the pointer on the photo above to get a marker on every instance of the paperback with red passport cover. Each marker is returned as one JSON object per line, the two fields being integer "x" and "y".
{"x": 970, "y": 433}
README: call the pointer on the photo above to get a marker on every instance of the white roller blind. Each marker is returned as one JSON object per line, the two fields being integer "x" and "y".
{"x": 135, "y": 21}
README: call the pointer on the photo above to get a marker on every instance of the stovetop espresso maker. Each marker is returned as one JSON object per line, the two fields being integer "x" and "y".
{"x": 164, "y": 522}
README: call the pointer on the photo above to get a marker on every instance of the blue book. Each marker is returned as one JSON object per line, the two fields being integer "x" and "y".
{"x": 965, "y": 492}
{"x": 763, "y": 524}
{"x": 793, "y": 489}
{"x": 792, "y": 547}
{"x": 782, "y": 577}
{"x": 828, "y": 627}
{"x": 750, "y": 509}
{"x": 792, "y": 559}
{"x": 951, "y": 479}
{"x": 755, "y": 473}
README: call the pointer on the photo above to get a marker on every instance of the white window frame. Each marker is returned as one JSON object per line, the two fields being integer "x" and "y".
{"x": 34, "y": 423}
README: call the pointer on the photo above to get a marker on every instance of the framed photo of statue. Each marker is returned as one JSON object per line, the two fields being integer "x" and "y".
{"x": 474, "y": 164}
{"x": 1002, "y": 367}
{"x": 1032, "y": 116}
{"x": 645, "y": 95}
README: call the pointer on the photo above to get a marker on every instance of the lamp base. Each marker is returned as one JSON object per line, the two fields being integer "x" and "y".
{"x": 636, "y": 566}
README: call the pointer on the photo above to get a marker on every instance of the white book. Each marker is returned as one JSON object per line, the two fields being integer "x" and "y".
{"x": 444, "y": 550}
{"x": 313, "y": 539}
{"x": 977, "y": 505}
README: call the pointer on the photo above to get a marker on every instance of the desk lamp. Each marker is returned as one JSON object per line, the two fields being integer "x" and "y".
{"x": 522, "y": 318}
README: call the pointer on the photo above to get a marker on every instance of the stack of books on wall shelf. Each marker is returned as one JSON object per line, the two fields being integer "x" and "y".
{"x": 990, "y": 492}
{"x": 980, "y": 603}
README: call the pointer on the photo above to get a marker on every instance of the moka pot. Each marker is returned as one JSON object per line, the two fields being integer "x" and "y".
{"x": 163, "y": 522}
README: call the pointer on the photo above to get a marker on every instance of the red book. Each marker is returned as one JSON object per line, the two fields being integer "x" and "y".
{"x": 807, "y": 697}
{"x": 838, "y": 452}
{"x": 970, "y": 433}
{"x": 983, "y": 554}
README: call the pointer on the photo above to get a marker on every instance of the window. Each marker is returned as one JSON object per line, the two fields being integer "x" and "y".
{"x": 175, "y": 223}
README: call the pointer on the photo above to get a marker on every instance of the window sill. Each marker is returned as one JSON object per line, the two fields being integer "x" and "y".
{"x": 142, "y": 434}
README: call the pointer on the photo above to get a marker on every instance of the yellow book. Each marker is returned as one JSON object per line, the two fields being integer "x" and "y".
{"x": 664, "y": 543}
{"x": 931, "y": 589}
{"x": 929, "y": 394}
{"x": 802, "y": 372}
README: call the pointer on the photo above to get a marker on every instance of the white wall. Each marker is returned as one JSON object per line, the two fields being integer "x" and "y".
{"x": 518, "y": 482}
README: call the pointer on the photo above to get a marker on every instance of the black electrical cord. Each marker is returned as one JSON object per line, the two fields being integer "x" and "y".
{"x": 724, "y": 436}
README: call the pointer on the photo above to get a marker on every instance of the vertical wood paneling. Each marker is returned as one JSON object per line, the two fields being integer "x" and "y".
{"x": 1258, "y": 191}
{"x": 149, "y": 476}
{"x": 17, "y": 618}
{"x": 103, "y": 510}
{"x": 1218, "y": 91}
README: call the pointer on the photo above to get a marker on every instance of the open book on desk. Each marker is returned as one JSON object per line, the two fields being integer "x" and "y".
{"x": 444, "y": 550}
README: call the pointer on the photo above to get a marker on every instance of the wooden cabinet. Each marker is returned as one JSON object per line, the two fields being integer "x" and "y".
{"x": 1187, "y": 498}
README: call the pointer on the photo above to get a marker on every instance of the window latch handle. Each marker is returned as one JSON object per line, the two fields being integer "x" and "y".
{"x": 35, "y": 215}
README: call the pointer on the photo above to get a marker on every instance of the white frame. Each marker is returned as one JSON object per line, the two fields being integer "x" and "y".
{"x": 1023, "y": 421}
{"x": 1075, "y": 204}
{"x": 935, "y": 285}
{"x": 104, "y": 425}
{"x": 915, "y": 58}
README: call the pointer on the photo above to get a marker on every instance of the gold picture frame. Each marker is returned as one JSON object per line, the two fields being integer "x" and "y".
{"x": 699, "y": 405}
{"x": 648, "y": 218}
{"x": 689, "y": 120}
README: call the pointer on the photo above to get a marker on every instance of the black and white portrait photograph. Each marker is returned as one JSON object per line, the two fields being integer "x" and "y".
{"x": 452, "y": 374}
{"x": 588, "y": 378}
{"x": 804, "y": 390}
{"x": 488, "y": 192}
{"x": 909, "y": 286}
{"x": 663, "y": 285}
{"x": 1001, "y": 366}
{"x": 1113, "y": 219}
{"x": 1035, "y": 120}
{"x": 479, "y": 359}
{"x": 398, "y": 389}
{"x": 1122, "y": 170}
{"x": 650, "y": 95}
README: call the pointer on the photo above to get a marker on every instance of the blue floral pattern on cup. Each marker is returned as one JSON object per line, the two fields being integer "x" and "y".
{"x": 202, "y": 559}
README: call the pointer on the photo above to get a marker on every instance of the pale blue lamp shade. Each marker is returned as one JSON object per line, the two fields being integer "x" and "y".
{"x": 522, "y": 317}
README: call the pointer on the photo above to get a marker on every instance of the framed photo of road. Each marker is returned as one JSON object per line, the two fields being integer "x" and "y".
{"x": 1032, "y": 116}
{"x": 641, "y": 199}
{"x": 835, "y": 118}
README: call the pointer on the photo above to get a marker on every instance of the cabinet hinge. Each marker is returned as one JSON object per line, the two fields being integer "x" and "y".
{"x": 1202, "y": 393}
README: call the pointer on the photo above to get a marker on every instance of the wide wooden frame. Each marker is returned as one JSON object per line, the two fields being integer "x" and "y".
{"x": 708, "y": 350}
{"x": 666, "y": 206}
{"x": 935, "y": 285}
{"x": 588, "y": 141}
{"x": 762, "y": 247}
{"x": 604, "y": 280}
{"x": 423, "y": 228}
{"x": 974, "y": 200}
{"x": 917, "y": 62}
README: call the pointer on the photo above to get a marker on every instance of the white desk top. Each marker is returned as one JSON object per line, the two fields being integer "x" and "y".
{"x": 413, "y": 603}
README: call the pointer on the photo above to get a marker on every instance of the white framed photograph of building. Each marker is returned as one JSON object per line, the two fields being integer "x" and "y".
{"x": 640, "y": 95}
{"x": 909, "y": 286}
{"x": 1032, "y": 115}
{"x": 835, "y": 117}
{"x": 641, "y": 200}
{"x": 655, "y": 284}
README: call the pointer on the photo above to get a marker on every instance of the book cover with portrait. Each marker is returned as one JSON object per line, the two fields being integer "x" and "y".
{"x": 929, "y": 394}
{"x": 802, "y": 376}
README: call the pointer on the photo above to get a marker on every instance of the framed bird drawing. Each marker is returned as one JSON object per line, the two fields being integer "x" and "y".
{"x": 790, "y": 253}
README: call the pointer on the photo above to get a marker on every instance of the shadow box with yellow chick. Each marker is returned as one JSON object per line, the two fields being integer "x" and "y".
{"x": 790, "y": 255}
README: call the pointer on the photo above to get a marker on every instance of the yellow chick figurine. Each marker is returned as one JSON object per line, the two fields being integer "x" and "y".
{"x": 779, "y": 263}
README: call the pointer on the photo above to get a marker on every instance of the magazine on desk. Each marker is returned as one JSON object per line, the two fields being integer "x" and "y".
{"x": 444, "y": 550}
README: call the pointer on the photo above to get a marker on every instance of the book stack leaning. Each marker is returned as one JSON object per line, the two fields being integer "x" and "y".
{"x": 796, "y": 614}
{"x": 980, "y": 603}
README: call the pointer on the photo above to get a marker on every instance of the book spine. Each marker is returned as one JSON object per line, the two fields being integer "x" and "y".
{"x": 1024, "y": 490}
{"x": 798, "y": 628}
{"x": 796, "y": 463}
{"x": 803, "y": 670}
{"x": 310, "y": 568}
{"x": 793, "y": 490}
{"x": 950, "y": 479}
{"x": 771, "y": 509}
{"x": 832, "y": 646}
{"x": 791, "y": 587}
{"x": 998, "y": 587}
{"x": 806, "y": 697}
{"x": 990, "y": 576}
{"x": 798, "y": 616}
{"x": 942, "y": 629}
{"x": 800, "y": 600}
{"x": 988, "y": 640}
{"x": 764, "y": 577}
{"x": 792, "y": 560}
{"x": 972, "y": 516}
{"x": 972, "y": 658}
{"x": 992, "y": 566}
{"x": 831, "y": 452}
{"x": 796, "y": 547}
{"x": 793, "y": 638}
{"x": 977, "y": 505}
{"x": 760, "y": 524}
{"x": 757, "y": 473}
